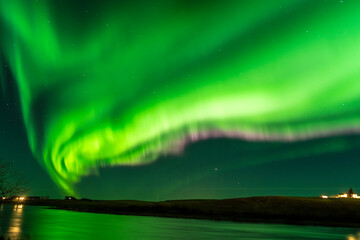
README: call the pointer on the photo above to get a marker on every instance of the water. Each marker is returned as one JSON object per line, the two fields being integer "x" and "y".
{"x": 30, "y": 222}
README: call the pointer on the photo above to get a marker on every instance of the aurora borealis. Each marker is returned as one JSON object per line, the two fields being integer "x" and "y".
{"x": 107, "y": 83}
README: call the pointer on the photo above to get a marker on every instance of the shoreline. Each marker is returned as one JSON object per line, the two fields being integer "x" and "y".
{"x": 273, "y": 210}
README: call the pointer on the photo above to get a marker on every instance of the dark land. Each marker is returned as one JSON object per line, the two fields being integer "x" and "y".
{"x": 285, "y": 210}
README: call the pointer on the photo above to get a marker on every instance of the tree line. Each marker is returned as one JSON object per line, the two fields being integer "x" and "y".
{"x": 12, "y": 183}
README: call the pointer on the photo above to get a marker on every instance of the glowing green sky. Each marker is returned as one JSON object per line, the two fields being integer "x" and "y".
{"x": 123, "y": 83}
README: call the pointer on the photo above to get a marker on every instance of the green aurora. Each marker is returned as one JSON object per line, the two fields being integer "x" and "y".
{"x": 123, "y": 83}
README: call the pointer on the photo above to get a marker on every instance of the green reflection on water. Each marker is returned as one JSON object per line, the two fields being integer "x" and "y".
{"x": 37, "y": 223}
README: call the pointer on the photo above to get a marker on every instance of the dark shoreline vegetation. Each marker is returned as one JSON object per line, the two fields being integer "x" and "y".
{"x": 284, "y": 210}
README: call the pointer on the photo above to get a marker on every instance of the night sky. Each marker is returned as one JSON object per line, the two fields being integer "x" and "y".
{"x": 173, "y": 100}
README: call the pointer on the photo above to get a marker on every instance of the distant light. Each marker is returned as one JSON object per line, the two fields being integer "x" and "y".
{"x": 343, "y": 195}
{"x": 4, "y": 198}
{"x": 354, "y": 195}
{"x": 22, "y": 198}
{"x": 324, "y": 196}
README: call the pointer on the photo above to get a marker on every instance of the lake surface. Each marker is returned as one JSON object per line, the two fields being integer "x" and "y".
{"x": 30, "y": 222}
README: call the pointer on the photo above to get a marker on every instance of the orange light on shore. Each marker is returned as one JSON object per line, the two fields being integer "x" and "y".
{"x": 354, "y": 195}
{"x": 20, "y": 199}
{"x": 324, "y": 196}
